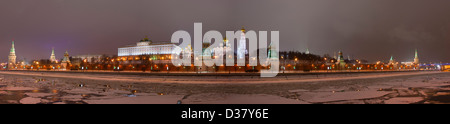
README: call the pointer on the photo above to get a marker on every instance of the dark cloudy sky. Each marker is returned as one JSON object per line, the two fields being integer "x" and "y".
{"x": 365, "y": 29}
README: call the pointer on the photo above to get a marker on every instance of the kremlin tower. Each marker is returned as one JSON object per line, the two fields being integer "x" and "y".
{"x": 416, "y": 58}
{"x": 12, "y": 57}
{"x": 391, "y": 61}
{"x": 340, "y": 61}
{"x": 66, "y": 61}
{"x": 52, "y": 56}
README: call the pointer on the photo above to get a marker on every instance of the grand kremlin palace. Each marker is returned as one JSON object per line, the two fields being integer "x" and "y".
{"x": 157, "y": 52}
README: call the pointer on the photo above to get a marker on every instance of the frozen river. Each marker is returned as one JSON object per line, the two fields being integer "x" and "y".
{"x": 22, "y": 87}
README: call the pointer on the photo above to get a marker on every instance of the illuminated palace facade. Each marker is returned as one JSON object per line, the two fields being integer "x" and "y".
{"x": 147, "y": 47}
{"x": 156, "y": 53}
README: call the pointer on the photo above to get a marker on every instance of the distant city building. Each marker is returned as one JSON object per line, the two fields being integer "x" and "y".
{"x": 52, "y": 56}
{"x": 12, "y": 57}
{"x": 24, "y": 62}
{"x": 307, "y": 51}
{"x": 88, "y": 58}
{"x": 408, "y": 63}
{"x": 147, "y": 47}
{"x": 446, "y": 67}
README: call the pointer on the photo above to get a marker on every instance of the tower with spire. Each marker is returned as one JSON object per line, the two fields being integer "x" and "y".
{"x": 416, "y": 58}
{"x": 66, "y": 61}
{"x": 52, "y": 56}
{"x": 12, "y": 57}
{"x": 340, "y": 61}
{"x": 393, "y": 63}
{"x": 307, "y": 51}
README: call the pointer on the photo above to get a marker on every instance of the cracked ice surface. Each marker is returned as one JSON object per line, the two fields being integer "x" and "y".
{"x": 366, "y": 88}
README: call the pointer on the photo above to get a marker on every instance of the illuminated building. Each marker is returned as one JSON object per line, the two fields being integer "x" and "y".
{"x": 222, "y": 49}
{"x": 147, "y": 47}
{"x": 446, "y": 67}
{"x": 88, "y": 58}
{"x": 12, "y": 57}
{"x": 408, "y": 63}
{"x": 155, "y": 56}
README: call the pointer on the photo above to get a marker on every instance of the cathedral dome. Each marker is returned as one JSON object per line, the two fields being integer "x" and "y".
{"x": 243, "y": 29}
{"x": 146, "y": 39}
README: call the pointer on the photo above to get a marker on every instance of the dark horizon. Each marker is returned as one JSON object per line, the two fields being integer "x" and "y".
{"x": 371, "y": 30}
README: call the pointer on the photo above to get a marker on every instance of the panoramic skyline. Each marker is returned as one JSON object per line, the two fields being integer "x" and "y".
{"x": 371, "y": 30}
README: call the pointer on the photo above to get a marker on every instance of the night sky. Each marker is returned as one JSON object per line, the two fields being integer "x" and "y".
{"x": 365, "y": 29}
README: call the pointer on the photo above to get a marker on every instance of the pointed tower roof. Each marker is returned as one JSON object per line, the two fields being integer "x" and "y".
{"x": 66, "y": 57}
{"x": 392, "y": 57}
{"x": 13, "y": 50}
{"x": 52, "y": 56}
{"x": 416, "y": 54}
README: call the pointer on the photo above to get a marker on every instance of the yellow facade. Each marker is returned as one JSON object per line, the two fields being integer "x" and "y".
{"x": 447, "y": 67}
